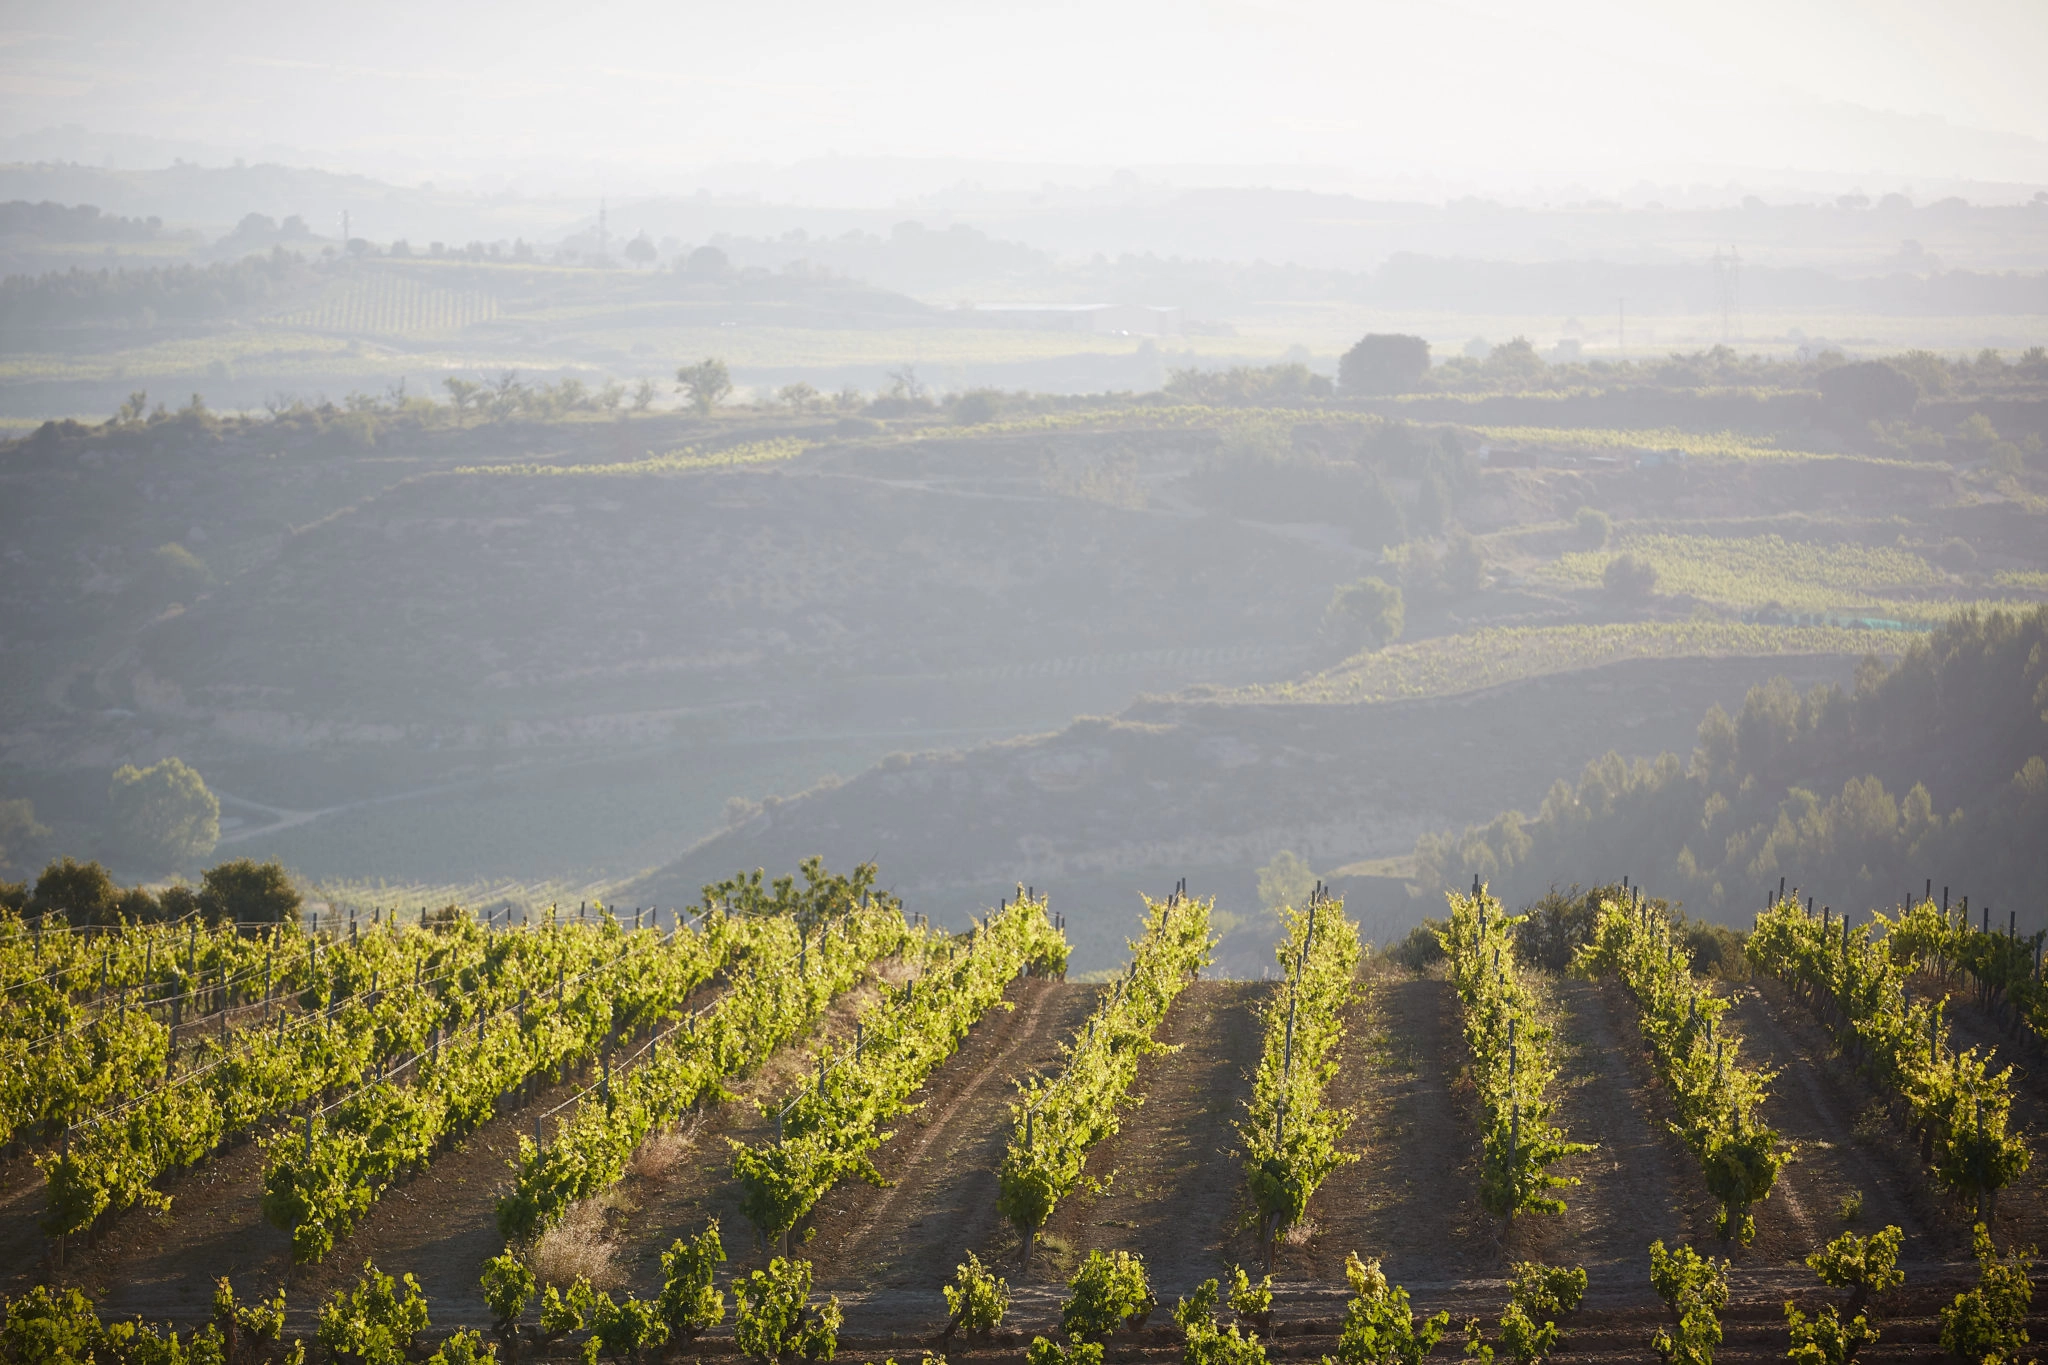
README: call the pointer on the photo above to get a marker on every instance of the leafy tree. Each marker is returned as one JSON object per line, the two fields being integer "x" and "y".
{"x": 705, "y": 384}
{"x": 1368, "y": 613}
{"x": 1594, "y": 527}
{"x": 20, "y": 834}
{"x": 1285, "y": 881}
{"x": 707, "y": 262}
{"x": 978, "y": 406}
{"x": 1384, "y": 363}
{"x": 1464, "y": 565}
{"x": 163, "y": 815}
{"x": 1629, "y": 578}
{"x": 461, "y": 393}
{"x": 797, "y": 397}
{"x": 640, "y": 251}
{"x": 643, "y": 395}
{"x": 82, "y": 891}
{"x": 1378, "y": 522}
{"x": 1433, "y": 504}
{"x": 248, "y": 892}
{"x": 1867, "y": 391}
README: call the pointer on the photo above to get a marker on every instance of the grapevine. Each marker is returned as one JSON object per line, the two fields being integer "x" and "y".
{"x": 1715, "y": 1095}
{"x": 825, "y": 1132}
{"x": 1058, "y": 1120}
{"x": 1856, "y": 984}
{"x": 1511, "y": 1067}
{"x": 791, "y": 975}
{"x": 317, "y": 1181}
{"x": 350, "y": 1024}
{"x": 1289, "y": 1134}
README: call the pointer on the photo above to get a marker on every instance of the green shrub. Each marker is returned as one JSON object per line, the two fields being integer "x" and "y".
{"x": 691, "y": 1302}
{"x": 1825, "y": 1339}
{"x": 508, "y": 1288}
{"x": 256, "y": 1323}
{"x": 772, "y": 1316}
{"x": 622, "y": 1329}
{"x": 1251, "y": 1302}
{"x": 373, "y": 1323}
{"x": 1108, "y": 1292}
{"x": 1695, "y": 1290}
{"x": 1205, "y": 1343}
{"x": 57, "y": 1326}
{"x": 1988, "y": 1323}
{"x": 976, "y": 1300}
{"x": 1379, "y": 1326}
{"x": 463, "y": 1348}
{"x": 561, "y": 1314}
{"x": 1421, "y": 949}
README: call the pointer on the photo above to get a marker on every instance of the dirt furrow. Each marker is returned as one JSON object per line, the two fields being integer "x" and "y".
{"x": 1637, "y": 1184}
{"x": 1413, "y": 1198}
{"x": 941, "y": 1165}
{"x": 1850, "y": 1149}
{"x": 1172, "y": 1176}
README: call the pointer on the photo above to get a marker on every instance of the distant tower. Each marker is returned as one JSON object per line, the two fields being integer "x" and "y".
{"x": 1728, "y": 289}
{"x": 604, "y": 236}
{"x": 344, "y": 229}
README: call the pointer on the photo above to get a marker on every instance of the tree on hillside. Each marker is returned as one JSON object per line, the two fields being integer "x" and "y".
{"x": 82, "y": 891}
{"x": 1384, "y": 362}
{"x": 20, "y": 834}
{"x": 705, "y": 384}
{"x": 1867, "y": 391}
{"x": 1629, "y": 578}
{"x": 1285, "y": 881}
{"x": 163, "y": 815}
{"x": 246, "y": 892}
{"x": 1367, "y": 614}
{"x": 640, "y": 251}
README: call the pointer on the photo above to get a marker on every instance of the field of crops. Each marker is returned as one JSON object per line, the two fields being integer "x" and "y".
{"x": 1488, "y": 657}
{"x": 382, "y": 304}
{"x": 1717, "y": 445}
{"x": 609, "y": 1132}
{"x": 1751, "y": 572}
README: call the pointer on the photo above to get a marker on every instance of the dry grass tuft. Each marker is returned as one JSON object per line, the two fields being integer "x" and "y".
{"x": 657, "y": 1158}
{"x": 579, "y": 1245}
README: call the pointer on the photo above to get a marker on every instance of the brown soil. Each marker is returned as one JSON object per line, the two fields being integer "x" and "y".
{"x": 1172, "y": 1180}
{"x": 1847, "y": 1143}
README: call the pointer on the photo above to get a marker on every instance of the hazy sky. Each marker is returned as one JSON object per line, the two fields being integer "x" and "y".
{"x": 1481, "y": 91}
